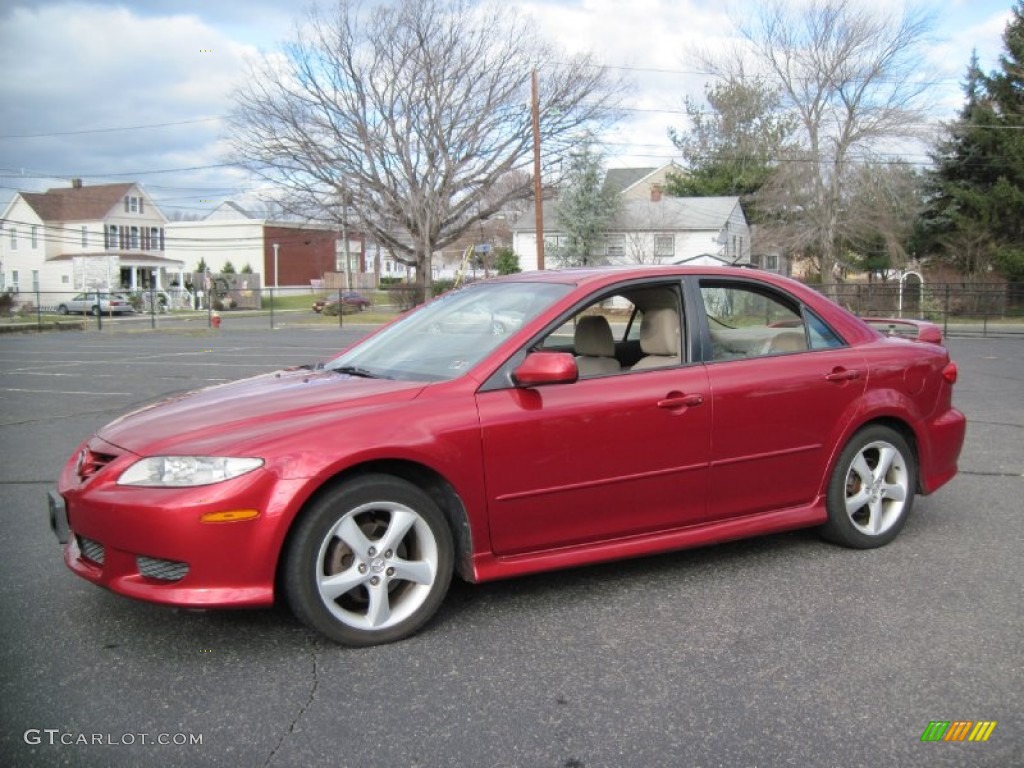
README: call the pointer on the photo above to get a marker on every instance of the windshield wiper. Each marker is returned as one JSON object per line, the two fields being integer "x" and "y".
{"x": 355, "y": 370}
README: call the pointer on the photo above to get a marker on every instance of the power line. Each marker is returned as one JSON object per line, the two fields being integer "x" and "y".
{"x": 112, "y": 129}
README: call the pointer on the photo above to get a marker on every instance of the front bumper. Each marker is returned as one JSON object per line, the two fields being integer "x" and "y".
{"x": 152, "y": 544}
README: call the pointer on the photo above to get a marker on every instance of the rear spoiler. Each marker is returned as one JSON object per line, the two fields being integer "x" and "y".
{"x": 915, "y": 330}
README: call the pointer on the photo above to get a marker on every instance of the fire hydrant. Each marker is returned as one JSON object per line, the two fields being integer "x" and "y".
{"x": 215, "y": 320}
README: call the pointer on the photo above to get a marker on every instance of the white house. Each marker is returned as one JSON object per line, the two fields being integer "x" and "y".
{"x": 97, "y": 237}
{"x": 288, "y": 254}
{"x": 651, "y": 228}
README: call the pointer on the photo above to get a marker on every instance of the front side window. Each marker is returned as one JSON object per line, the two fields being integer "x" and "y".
{"x": 637, "y": 328}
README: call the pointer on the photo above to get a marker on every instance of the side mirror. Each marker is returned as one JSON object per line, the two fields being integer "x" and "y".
{"x": 540, "y": 368}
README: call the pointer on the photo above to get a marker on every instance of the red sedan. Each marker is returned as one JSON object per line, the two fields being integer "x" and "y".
{"x": 630, "y": 412}
{"x": 351, "y": 300}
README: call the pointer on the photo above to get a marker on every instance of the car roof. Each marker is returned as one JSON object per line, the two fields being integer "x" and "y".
{"x": 582, "y": 276}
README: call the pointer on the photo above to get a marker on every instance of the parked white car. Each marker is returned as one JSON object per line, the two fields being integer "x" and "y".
{"x": 94, "y": 303}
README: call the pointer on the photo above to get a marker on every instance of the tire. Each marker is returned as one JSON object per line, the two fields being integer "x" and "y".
{"x": 62, "y": 309}
{"x": 871, "y": 491}
{"x": 94, "y": 311}
{"x": 369, "y": 562}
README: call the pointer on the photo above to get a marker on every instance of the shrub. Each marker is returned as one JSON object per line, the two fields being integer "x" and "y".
{"x": 406, "y": 295}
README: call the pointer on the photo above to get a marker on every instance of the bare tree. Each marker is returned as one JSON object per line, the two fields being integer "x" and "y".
{"x": 849, "y": 74}
{"x": 403, "y": 116}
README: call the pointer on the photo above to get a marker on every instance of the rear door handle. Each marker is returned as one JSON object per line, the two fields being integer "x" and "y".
{"x": 675, "y": 400}
{"x": 842, "y": 374}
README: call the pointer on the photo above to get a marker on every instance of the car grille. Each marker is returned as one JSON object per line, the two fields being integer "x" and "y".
{"x": 90, "y": 462}
{"x": 91, "y": 550}
{"x": 164, "y": 570}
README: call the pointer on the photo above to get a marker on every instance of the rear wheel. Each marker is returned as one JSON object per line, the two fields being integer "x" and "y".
{"x": 370, "y": 562}
{"x": 871, "y": 491}
{"x": 62, "y": 309}
{"x": 94, "y": 311}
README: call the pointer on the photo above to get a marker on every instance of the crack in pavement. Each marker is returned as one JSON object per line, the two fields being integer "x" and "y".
{"x": 302, "y": 710}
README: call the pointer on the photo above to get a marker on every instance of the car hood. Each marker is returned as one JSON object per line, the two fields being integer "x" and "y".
{"x": 241, "y": 415}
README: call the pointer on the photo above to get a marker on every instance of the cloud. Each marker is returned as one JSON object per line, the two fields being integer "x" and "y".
{"x": 73, "y": 72}
{"x": 73, "y": 69}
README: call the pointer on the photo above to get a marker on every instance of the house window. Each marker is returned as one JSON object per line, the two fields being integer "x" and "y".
{"x": 65, "y": 279}
{"x": 770, "y": 262}
{"x": 35, "y": 280}
{"x": 134, "y": 240}
{"x": 111, "y": 241}
{"x": 616, "y": 246}
{"x": 154, "y": 238}
{"x": 35, "y": 236}
{"x": 132, "y": 204}
{"x": 556, "y": 242}
{"x": 85, "y": 237}
{"x": 664, "y": 246}
{"x": 14, "y": 280}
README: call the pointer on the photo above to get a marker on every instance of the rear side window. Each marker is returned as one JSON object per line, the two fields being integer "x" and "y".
{"x": 746, "y": 321}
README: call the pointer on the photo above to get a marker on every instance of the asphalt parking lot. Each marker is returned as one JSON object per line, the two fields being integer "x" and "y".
{"x": 778, "y": 651}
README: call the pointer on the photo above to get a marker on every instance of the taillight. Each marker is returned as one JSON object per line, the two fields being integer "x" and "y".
{"x": 950, "y": 373}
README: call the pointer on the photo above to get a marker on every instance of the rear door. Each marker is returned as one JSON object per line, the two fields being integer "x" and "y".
{"x": 783, "y": 388}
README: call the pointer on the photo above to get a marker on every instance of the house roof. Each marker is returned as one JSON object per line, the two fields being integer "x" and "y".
{"x": 76, "y": 203}
{"x": 667, "y": 214}
{"x": 621, "y": 179}
{"x": 229, "y": 209}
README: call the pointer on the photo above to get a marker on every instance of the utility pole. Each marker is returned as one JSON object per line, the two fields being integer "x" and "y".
{"x": 537, "y": 193}
{"x": 344, "y": 237}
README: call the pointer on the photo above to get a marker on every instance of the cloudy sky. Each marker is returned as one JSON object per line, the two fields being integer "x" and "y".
{"x": 116, "y": 91}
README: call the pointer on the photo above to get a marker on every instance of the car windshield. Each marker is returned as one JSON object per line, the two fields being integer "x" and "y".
{"x": 447, "y": 337}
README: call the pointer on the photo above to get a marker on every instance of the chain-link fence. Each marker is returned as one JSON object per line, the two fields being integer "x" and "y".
{"x": 966, "y": 309}
{"x": 138, "y": 310}
{"x": 962, "y": 309}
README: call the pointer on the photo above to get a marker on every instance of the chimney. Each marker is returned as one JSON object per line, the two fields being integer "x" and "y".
{"x": 656, "y": 190}
{"x": 76, "y": 183}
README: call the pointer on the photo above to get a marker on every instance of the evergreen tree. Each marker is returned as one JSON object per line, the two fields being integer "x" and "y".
{"x": 734, "y": 148}
{"x": 585, "y": 210}
{"x": 976, "y": 217}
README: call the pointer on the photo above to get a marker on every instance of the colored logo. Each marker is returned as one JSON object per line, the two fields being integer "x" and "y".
{"x": 958, "y": 730}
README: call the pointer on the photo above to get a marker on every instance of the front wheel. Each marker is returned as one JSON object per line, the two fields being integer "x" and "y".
{"x": 370, "y": 561}
{"x": 62, "y": 309}
{"x": 871, "y": 491}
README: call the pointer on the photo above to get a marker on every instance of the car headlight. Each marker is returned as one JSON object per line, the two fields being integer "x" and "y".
{"x": 186, "y": 471}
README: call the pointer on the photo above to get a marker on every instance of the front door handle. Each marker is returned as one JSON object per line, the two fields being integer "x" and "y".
{"x": 842, "y": 374}
{"x": 679, "y": 400}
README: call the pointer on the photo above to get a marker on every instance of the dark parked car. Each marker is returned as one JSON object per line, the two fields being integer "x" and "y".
{"x": 350, "y": 300}
{"x": 628, "y": 412}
